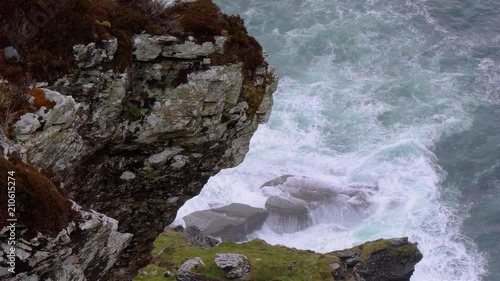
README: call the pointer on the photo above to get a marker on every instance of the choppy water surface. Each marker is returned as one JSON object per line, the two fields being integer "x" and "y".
{"x": 399, "y": 94}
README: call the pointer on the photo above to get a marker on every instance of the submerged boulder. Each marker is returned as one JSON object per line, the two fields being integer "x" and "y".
{"x": 231, "y": 223}
{"x": 295, "y": 203}
{"x": 286, "y": 215}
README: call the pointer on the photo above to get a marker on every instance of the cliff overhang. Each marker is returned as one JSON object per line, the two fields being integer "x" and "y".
{"x": 131, "y": 138}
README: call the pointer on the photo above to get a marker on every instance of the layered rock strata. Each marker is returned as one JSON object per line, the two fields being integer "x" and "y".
{"x": 136, "y": 145}
{"x": 84, "y": 250}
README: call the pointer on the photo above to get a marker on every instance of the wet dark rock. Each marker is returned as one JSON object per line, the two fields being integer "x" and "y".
{"x": 338, "y": 270}
{"x": 381, "y": 260}
{"x": 277, "y": 181}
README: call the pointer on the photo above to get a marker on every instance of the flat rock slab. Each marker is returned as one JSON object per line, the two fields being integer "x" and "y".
{"x": 231, "y": 223}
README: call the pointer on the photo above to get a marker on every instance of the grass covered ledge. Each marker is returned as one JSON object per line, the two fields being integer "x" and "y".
{"x": 268, "y": 262}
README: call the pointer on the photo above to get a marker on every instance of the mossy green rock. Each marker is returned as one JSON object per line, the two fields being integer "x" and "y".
{"x": 382, "y": 260}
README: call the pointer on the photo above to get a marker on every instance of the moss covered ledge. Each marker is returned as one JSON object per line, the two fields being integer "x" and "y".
{"x": 380, "y": 260}
{"x": 267, "y": 262}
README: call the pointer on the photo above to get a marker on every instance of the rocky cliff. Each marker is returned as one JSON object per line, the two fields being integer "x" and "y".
{"x": 133, "y": 145}
{"x": 128, "y": 120}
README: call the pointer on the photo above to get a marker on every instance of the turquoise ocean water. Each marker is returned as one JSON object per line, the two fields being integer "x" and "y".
{"x": 401, "y": 94}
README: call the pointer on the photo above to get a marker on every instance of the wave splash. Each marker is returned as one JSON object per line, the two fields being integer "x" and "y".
{"x": 367, "y": 89}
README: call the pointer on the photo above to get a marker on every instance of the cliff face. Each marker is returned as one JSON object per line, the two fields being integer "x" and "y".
{"x": 136, "y": 145}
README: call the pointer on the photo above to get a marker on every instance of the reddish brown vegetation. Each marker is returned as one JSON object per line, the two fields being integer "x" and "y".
{"x": 199, "y": 18}
{"x": 203, "y": 18}
{"x": 39, "y": 205}
{"x": 48, "y": 54}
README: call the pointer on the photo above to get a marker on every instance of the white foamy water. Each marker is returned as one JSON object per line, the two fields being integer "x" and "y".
{"x": 365, "y": 92}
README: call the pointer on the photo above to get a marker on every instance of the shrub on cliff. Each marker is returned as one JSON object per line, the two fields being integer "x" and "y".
{"x": 39, "y": 205}
{"x": 203, "y": 20}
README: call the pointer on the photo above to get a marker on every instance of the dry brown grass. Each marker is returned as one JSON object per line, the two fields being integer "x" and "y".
{"x": 13, "y": 104}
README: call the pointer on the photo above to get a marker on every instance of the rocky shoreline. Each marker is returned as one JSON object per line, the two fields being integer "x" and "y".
{"x": 118, "y": 150}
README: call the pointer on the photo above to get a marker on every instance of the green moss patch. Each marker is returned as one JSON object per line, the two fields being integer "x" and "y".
{"x": 130, "y": 111}
{"x": 373, "y": 247}
{"x": 268, "y": 263}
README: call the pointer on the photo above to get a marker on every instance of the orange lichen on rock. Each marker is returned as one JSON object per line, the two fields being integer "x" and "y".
{"x": 40, "y": 99}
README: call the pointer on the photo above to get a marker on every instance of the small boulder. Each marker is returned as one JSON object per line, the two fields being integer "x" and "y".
{"x": 185, "y": 272}
{"x": 233, "y": 265}
{"x": 338, "y": 270}
{"x": 11, "y": 53}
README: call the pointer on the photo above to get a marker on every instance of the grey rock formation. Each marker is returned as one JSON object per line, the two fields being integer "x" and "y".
{"x": 185, "y": 272}
{"x": 193, "y": 235}
{"x": 231, "y": 223}
{"x": 380, "y": 260}
{"x": 295, "y": 203}
{"x": 234, "y": 265}
{"x": 84, "y": 250}
{"x": 135, "y": 145}
{"x": 91, "y": 55}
